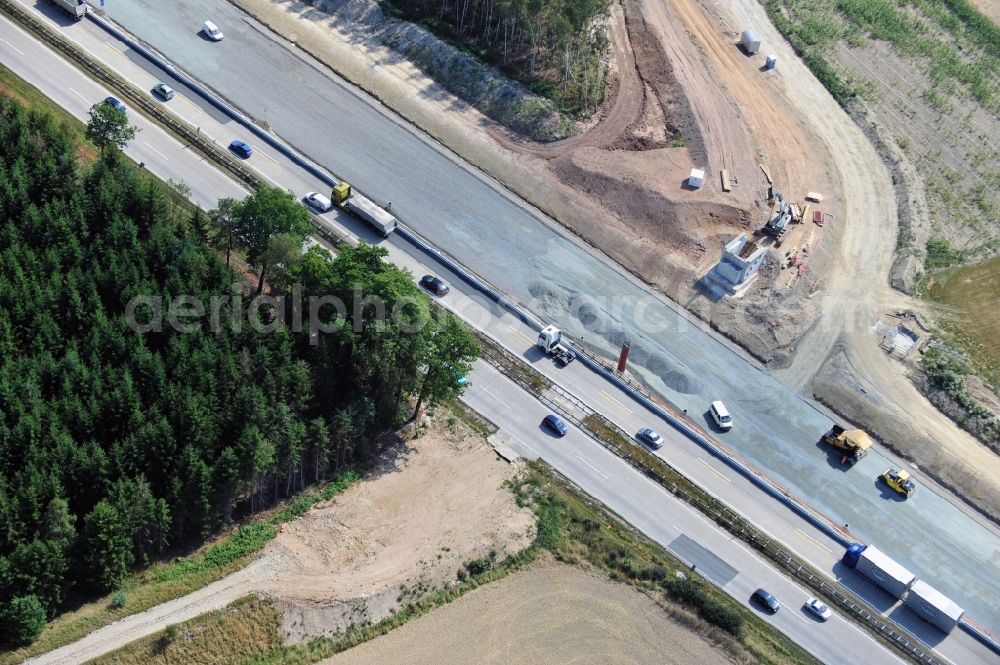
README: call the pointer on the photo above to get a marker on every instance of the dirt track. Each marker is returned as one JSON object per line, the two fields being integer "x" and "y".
{"x": 855, "y": 291}
{"x": 851, "y": 267}
{"x": 547, "y": 615}
{"x": 435, "y": 504}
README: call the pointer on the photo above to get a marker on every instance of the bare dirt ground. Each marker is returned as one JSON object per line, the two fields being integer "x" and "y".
{"x": 855, "y": 376}
{"x": 431, "y": 508}
{"x": 434, "y": 504}
{"x": 548, "y": 614}
{"x": 652, "y": 100}
{"x": 738, "y": 116}
{"x": 991, "y": 8}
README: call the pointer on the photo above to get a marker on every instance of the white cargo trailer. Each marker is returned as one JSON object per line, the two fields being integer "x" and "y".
{"x": 878, "y": 567}
{"x": 75, "y": 8}
{"x": 362, "y": 208}
{"x": 933, "y": 606}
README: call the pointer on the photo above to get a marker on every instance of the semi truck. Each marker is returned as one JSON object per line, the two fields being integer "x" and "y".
{"x": 855, "y": 443}
{"x": 550, "y": 342}
{"x": 75, "y": 8}
{"x": 875, "y": 565}
{"x": 362, "y": 208}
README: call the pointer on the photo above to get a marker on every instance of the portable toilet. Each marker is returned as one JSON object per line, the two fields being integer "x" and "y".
{"x": 772, "y": 60}
{"x": 696, "y": 178}
{"x": 750, "y": 42}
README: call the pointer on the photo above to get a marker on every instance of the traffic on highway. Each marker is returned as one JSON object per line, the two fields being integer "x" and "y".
{"x": 732, "y": 399}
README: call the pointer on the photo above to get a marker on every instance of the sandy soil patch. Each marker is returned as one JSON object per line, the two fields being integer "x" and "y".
{"x": 991, "y": 8}
{"x": 548, "y": 614}
{"x": 434, "y": 504}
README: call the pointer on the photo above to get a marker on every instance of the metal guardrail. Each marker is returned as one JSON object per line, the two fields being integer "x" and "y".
{"x": 139, "y": 99}
{"x": 722, "y": 514}
{"x": 597, "y": 364}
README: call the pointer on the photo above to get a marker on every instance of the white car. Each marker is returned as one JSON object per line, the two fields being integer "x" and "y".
{"x": 318, "y": 201}
{"x": 819, "y": 608}
{"x": 212, "y": 31}
{"x": 721, "y": 416}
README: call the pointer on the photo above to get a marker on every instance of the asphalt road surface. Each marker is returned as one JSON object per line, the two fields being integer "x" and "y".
{"x": 669, "y": 521}
{"x": 169, "y": 159}
{"x": 470, "y": 218}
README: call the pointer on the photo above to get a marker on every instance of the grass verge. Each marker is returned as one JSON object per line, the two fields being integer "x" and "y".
{"x": 570, "y": 526}
{"x": 166, "y": 581}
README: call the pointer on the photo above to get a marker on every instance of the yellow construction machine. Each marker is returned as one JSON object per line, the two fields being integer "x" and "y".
{"x": 854, "y": 442}
{"x": 899, "y": 480}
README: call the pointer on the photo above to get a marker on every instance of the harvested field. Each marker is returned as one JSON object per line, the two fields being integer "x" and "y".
{"x": 546, "y": 614}
{"x": 969, "y": 292}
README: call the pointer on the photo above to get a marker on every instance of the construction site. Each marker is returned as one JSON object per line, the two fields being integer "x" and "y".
{"x": 707, "y": 135}
{"x": 719, "y": 224}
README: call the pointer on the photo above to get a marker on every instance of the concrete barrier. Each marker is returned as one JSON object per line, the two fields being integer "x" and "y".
{"x": 522, "y": 314}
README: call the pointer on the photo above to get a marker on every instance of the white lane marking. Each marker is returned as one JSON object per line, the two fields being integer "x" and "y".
{"x": 173, "y": 140}
{"x": 12, "y": 46}
{"x": 272, "y": 180}
{"x": 118, "y": 52}
{"x": 709, "y": 467}
{"x": 490, "y": 393}
{"x": 148, "y": 145}
{"x": 580, "y": 457}
{"x": 79, "y": 95}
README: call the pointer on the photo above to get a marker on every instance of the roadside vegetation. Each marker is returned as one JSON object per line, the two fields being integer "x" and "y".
{"x": 555, "y": 48}
{"x": 570, "y": 527}
{"x": 118, "y": 448}
{"x": 922, "y": 78}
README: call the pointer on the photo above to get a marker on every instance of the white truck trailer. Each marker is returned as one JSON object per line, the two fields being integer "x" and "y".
{"x": 933, "y": 606}
{"x": 75, "y": 8}
{"x": 362, "y": 208}
{"x": 878, "y": 567}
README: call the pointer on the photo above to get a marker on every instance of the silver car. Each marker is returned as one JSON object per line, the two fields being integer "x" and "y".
{"x": 819, "y": 608}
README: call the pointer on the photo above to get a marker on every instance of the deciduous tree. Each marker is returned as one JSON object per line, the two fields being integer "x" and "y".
{"x": 109, "y": 128}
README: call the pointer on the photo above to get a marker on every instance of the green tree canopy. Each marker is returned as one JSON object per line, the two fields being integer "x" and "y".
{"x": 23, "y": 620}
{"x": 109, "y": 128}
{"x": 267, "y": 213}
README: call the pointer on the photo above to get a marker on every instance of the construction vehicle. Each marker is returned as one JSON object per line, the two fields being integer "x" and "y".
{"x": 782, "y": 215}
{"x": 359, "y": 206}
{"x": 900, "y": 481}
{"x": 550, "y": 342}
{"x": 75, "y": 8}
{"x": 855, "y": 443}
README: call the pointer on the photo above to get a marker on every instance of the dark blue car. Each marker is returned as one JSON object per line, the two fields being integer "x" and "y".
{"x": 240, "y": 148}
{"x": 555, "y": 425}
{"x": 115, "y": 104}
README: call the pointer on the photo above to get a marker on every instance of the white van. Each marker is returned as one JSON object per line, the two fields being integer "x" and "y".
{"x": 212, "y": 31}
{"x": 721, "y": 416}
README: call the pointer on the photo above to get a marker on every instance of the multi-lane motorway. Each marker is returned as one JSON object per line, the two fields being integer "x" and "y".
{"x": 472, "y": 219}
{"x": 170, "y": 159}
